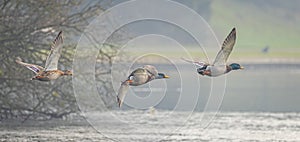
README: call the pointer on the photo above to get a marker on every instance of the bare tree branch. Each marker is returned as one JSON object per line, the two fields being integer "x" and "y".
{"x": 27, "y": 30}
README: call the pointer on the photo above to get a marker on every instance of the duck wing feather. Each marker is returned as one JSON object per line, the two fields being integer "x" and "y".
{"x": 54, "y": 55}
{"x": 226, "y": 49}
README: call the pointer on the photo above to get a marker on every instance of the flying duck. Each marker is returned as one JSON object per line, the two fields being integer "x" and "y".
{"x": 50, "y": 71}
{"x": 219, "y": 66}
{"x": 138, "y": 77}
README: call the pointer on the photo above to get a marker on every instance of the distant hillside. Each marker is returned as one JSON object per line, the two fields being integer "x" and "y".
{"x": 275, "y": 23}
{"x": 259, "y": 23}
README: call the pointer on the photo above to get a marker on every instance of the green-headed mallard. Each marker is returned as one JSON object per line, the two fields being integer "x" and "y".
{"x": 138, "y": 77}
{"x": 50, "y": 72}
{"x": 219, "y": 66}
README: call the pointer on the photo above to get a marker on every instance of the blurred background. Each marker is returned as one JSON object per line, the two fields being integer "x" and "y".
{"x": 268, "y": 40}
{"x": 267, "y": 45}
{"x": 260, "y": 103}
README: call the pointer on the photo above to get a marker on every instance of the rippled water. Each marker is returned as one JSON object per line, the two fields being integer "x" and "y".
{"x": 231, "y": 126}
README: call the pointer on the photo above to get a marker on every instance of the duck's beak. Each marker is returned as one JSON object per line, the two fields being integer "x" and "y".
{"x": 241, "y": 67}
{"x": 166, "y": 76}
{"x": 129, "y": 81}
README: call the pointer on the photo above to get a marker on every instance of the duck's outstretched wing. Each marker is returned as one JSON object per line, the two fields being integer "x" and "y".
{"x": 198, "y": 64}
{"x": 122, "y": 92}
{"x": 56, "y": 48}
{"x": 151, "y": 70}
{"x": 226, "y": 49}
{"x": 35, "y": 68}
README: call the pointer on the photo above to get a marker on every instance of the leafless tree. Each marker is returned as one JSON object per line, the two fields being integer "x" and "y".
{"x": 27, "y": 29}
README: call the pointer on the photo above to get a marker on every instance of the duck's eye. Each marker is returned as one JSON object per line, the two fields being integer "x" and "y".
{"x": 131, "y": 78}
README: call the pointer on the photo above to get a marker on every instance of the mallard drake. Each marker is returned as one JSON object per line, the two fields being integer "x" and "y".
{"x": 219, "y": 66}
{"x": 50, "y": 72}
{"x": 138, "y": 77}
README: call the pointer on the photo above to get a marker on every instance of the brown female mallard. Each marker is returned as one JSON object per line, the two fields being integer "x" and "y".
{"x": 50, "y": 72}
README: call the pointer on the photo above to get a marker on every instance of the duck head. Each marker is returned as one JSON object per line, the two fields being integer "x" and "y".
{"x": 236, "y": 66}
{"x": 161, "y": 76}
